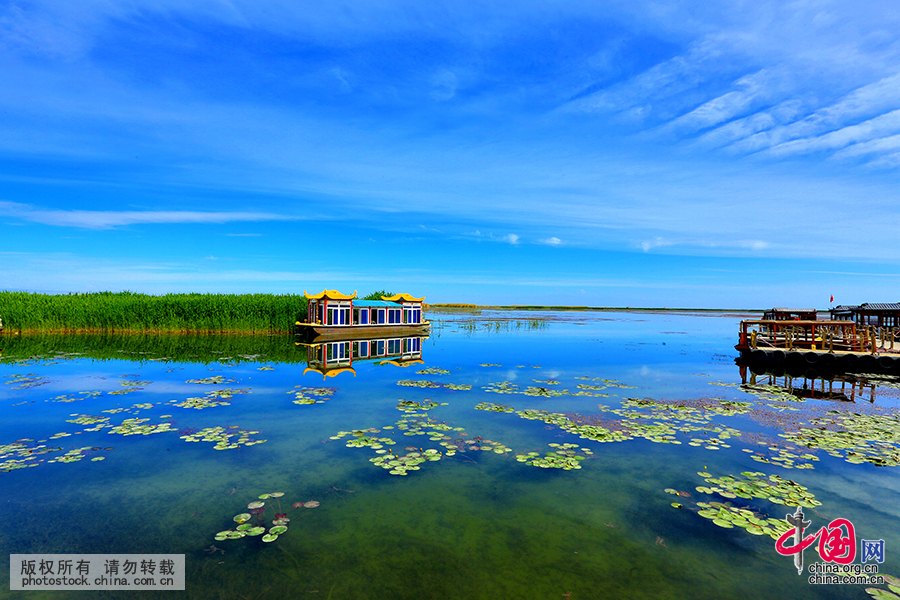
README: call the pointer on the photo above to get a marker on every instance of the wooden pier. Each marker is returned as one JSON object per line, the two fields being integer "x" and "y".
{"x": 834, "y": 345}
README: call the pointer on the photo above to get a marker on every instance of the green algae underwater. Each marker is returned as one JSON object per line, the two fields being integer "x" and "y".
{"x": 613, "y": 455}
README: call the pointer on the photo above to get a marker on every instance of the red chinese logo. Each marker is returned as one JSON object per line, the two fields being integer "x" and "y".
{"x": 837, "y": 542}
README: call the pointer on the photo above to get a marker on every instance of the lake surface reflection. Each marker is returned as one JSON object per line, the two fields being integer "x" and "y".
{"x": 510, "y": 455}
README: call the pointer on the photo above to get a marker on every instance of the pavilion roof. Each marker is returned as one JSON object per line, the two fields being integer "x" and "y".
{"x": 404, "y": 297}
{"x": 891, "y": 306}
{"x": 329, "y": 295}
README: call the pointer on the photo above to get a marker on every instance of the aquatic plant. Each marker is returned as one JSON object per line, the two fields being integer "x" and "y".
{"x": 258, "y": 508}
{"x": 411, "y": 406}
{"x": 564, "y": 457}
{"x": 433, "y": 371}
{"x": 751, "y": 485}
{"x": 223, "y": 437}
{"x": 311, "y": 395}
{"x": 855, "y": 437}
{"x": 128, "y": 311}
{"x": 893, "y": 589}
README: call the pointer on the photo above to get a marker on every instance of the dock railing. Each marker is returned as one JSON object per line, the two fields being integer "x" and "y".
{"x": 827, "y": 336}
{"x": 807, "y": 335}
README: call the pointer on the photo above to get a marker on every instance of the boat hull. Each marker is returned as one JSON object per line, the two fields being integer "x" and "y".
{"x": 360, "y": 332}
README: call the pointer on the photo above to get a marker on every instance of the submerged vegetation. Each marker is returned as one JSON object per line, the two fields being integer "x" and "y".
{"x": 171, "y": 348}
{"x": 130, "y": 312}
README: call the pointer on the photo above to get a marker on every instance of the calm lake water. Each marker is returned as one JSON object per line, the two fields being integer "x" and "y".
{"x": 473, "y": 523}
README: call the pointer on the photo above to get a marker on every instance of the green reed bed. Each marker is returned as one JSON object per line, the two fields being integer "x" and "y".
{"x": 130, "y": 312}
{"x": 140, "y": 347}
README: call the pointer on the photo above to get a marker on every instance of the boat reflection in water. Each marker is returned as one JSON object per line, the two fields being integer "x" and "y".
{"x": 814, "y": 385}
{"x": 332, "y": 357}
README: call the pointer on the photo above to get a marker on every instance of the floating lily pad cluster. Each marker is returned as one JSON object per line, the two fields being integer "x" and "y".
{"x": 606, "y": 382}
{"x": 415, "y": 424}
{"x": 564, "y": 457}
{"x": 473, "y": 444}
{"x": 362, "y": 438}
{"x": 213, "y": 380}
{"x": 893, "y": 588}
{"x": 788, "y": 457}
{"x": 138, "y": 426}
{"x": 492, "y": 407}
{"x": 223, "y": 437}
{"x": 31, "y": 380}
{"x": 89, "y": 420}
{"x": 458, "y": 386}
{"x": 311, "y": 395}
{"x": 422, "y": 424}
{"x": 199, "y": 403}
{"x": 420, "y": 384}
{"x": 75, "y": 455}
{"x": 399, "y": 464}
{"x": 129, "y": 390}
{"x": 855, "y": 437}
{"x": 751, "y": 485}
{"x": 490, "y": 365}
{"x": 508, "y": 387}
{"x": 29, "y": 455}
{"x": 769, "y": 393}
{"x": 212, "y": 399}
{"x": 411, "y": 406}
{"x": 247, "y": 528}
{"x": 20, "y": 455}
{"x": 640, "y": 418}
{"x": 727, "y": 516}
{"x": 433, "y": 371}
{"x": 755, "y": 485}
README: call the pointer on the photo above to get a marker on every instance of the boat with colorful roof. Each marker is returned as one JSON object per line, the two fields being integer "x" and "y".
{"x": 333, "y": 315}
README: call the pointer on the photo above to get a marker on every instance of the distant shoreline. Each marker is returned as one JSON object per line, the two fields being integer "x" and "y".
{"x": 464, "y": 307}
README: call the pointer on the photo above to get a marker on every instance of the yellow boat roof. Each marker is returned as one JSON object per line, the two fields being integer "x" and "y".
{"x": 403, "y": 363}
{"x": 405, "y": 297}
{"x": 329, "y": 295}
{"x": 330, "y": 372}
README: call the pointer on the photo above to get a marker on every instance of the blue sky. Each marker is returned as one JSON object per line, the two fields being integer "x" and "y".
{"x": 680, "y": 154}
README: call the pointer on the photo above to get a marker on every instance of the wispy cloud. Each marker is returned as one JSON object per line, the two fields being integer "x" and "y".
{"x": 98, "y": 219}
{"x": 551, "y": 241}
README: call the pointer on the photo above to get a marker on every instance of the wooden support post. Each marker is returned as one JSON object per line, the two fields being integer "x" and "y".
{"x": 753, "y": 340}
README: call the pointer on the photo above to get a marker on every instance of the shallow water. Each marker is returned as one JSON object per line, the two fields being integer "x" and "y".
{"x": 475, "y": 524}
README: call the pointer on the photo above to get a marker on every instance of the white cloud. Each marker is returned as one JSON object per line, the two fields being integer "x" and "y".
{"x": 511, "y": 238}
{"x": 552, "y": 241}
{"x": 99, "y": 219}
{"x": 656, "y": 242}
{"x": 750, "y": 89}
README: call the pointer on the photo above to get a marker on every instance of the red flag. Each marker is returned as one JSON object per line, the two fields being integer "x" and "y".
{"x": 832, "y": 297}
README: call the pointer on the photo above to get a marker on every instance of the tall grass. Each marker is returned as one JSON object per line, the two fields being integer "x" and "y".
{"x": 140, "y": 347}
{"x": 131, "y": 312}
